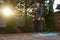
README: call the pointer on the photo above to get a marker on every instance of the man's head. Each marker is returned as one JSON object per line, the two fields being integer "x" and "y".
{"x": 37, "y": 4}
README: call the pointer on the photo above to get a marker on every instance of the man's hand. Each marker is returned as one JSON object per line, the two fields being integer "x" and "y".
{"x": 38, "y": 18}
{"x": 33, "y": 19}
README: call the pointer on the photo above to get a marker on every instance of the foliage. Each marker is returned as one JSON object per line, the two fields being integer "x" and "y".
{"x": 49, "y": 17}
{"x": 11, "y": 25}
{"x": 29, "y": 24}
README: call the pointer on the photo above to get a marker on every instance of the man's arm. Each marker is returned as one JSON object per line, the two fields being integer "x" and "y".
{"x": 40, "y": 13}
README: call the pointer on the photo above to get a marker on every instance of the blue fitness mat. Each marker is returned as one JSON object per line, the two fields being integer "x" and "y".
{"x": 45, "y": 34}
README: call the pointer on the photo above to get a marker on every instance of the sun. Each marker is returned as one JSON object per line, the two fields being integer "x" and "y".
{"x": 7, "y": 11}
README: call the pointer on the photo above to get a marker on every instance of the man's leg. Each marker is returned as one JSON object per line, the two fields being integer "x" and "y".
{"x": 35, "y": 26}
{"x": 40, "y": 28}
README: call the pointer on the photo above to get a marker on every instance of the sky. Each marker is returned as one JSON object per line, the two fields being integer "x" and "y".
{"x": 55, "y": 5}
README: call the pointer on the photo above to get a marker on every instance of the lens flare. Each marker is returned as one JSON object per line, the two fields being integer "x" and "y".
{"x": 7, "y": 11}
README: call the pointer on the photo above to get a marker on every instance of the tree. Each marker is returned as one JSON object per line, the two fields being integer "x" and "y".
{"x": 49, "y": 16}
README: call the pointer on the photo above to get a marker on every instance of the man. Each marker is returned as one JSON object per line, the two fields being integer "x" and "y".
{"x": 37, "y": 18}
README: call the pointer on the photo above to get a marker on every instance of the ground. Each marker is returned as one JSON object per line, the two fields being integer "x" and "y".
{"x": 26, "y": 36}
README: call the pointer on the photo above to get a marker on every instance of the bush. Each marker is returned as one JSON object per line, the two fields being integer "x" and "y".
{"x": 29, "y": 24}
{"x": 11, "y": 26}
